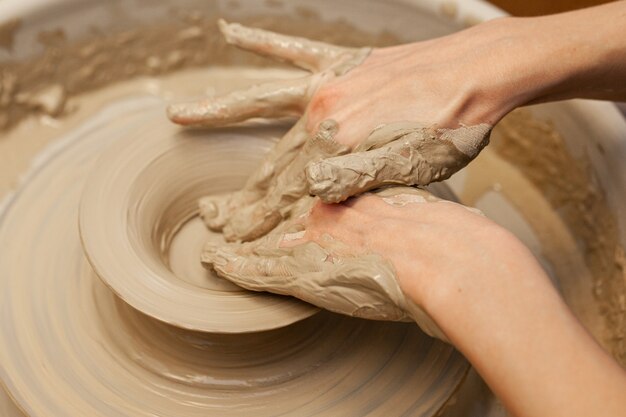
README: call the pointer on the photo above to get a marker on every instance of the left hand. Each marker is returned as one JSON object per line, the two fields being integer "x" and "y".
{"x": 402, "y": 111}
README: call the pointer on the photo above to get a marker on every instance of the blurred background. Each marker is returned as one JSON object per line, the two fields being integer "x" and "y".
{"x": 540, "y": 7}
{"x": 543, "y": 7}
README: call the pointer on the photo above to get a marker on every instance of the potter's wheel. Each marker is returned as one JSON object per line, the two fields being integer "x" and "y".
{"x": 69, "y": 346}
{"x": 141, "y": 232}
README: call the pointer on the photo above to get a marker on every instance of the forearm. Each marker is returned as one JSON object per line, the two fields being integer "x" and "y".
{"x": 524, "y": 341}
{"x": 580, "y": 54}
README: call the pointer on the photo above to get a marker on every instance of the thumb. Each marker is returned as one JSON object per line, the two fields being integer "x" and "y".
{"x": 417, "y": 156}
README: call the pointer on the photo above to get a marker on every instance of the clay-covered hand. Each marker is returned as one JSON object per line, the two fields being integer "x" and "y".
{"x": 359, "y": 258}
{"x": 270, "y": 192}
{"x": 360, "y": 100}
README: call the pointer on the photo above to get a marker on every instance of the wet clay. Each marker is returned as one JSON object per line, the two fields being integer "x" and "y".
{"x": 7, "y": 33}
{"x": 398, "y": 153}
{"x": 187, "y": 39}
{"x": 133, "y": 206}
{"x": 276, "y": 99}
{"x": 581, "y": 202}
{"x": 300, "y": 164}
{"x": 102, "y": 357}
{"x": 327, "y": 274}
{"x": 269, "y": 195}
{"x": 88, "y": 353}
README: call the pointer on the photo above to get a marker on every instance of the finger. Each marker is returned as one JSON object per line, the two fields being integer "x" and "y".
{"x": 278, "y": 158}
{"x": 287, "y": 188}
{"x": 304, "y": 53}
{"x": 363, "y": 286}
{"x": 252, "y": 222}
{"x": 299, "y": 271}
{"x": 271, "y": 100}
{"x": 418, "y": 157}
{"x": 261, "y": 265}
{"x": 214, "y": 209}
{"x": 257, "y": 219}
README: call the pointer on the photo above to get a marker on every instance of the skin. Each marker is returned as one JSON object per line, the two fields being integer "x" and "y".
{"x": 480, "y": 285}
{"x": 397, "y": 151}
{"x": 302, "y": 259}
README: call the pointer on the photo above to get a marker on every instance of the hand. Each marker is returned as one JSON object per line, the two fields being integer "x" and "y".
{"x": 480, "y": 286}
{"x": 413, "y": 133}
{"x": 333, "y": 255}
{"x": 401, "y": 254}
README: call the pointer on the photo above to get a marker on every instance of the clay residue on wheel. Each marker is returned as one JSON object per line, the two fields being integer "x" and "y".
{"x": 8, "y": 30}
{"x": 187, "y": 40}
{"x": 106, "y": 358}
{"x": 536, "y": 148}
{"x": 191, "y": 39}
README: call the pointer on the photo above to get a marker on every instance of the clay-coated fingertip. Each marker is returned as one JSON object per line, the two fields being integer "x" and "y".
{"x": 172, "y": 111}
{"x": 314, "y": 173}
{"x": 179, "y": 114}
{"x": 213, "y": 211}
{"x": 324, "y": 183}
{"x": 217, "y": 255}
{"x": 319, "y": 176}
{"x": 222, "y": 24}
{"x": 319, "y": 188}
{"x": 208, "y": 208}
{"x": 228, "y": 233}
{"x": 232, "y": 32}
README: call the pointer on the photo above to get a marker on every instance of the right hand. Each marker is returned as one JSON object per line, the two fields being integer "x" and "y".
{"x": 373, "y": 256}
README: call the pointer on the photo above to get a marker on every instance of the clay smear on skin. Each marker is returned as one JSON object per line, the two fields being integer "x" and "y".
{"x": 397, "y": 153}
{"x": 356, "y": 284}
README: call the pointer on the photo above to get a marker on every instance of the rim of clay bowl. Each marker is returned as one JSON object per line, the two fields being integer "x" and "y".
{"x": 126, "y": 250}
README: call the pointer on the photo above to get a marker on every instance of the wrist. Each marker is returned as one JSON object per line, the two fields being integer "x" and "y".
{"x": 472, "y": 273}
{"x": 526, "y": 64}
{"x": 506, "y": 64}
{"x": 525, "y": 60}
{"x": 570, "y": 55}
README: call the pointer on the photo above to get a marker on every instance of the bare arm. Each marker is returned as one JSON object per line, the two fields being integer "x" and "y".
{"x": 481, "y": 286}
{"x": 509, "y": 321}
{"x": 459, "y": 275}
{"x": 580, "y": 54}
{"x": 480, "y": 74}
